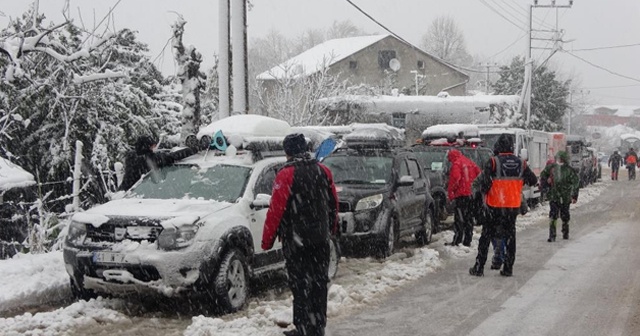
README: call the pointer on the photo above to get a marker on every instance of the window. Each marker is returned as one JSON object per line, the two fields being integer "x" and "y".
{"x": 353, "y": 64}
{"x": 265, "y": 182}
{"x": 404, "y": 171}
{"x": 414, "y": 169}
{"x": 399, "y": 120}
{"x": 420, "y": 64}
{"x": 384, "y": 56}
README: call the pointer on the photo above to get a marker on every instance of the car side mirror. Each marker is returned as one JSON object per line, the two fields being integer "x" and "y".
{"x": 262, "y": 201}
{"x": 524, "y": 154}
{"x": 406, "y": 181}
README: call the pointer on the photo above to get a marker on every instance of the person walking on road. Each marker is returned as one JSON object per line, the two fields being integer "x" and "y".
{"x": 144, "y": 158}
{"x": 615, "y": 162}
{"x": 462, "y": 174}
{"x": 564, "y": 185}
{"x": 304, "y": 213}
{"x": 482, "y": 217}
{"x": 501, "y": 184}
{"x": 631, "y": 160}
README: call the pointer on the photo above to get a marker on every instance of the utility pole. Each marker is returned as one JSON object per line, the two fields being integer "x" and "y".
{"x": 486, "y": 81}
{"x": 417, "y": 75}
{"x": 224, "y": 19}
{"x": 528, "y": 77}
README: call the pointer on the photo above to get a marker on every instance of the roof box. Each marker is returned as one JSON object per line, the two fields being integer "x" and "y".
{"x": 449, "y": 131}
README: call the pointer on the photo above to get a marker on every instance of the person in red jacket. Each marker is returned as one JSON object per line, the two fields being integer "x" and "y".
{"x": 461, "y": 175}
{"x": 303, "y": 213}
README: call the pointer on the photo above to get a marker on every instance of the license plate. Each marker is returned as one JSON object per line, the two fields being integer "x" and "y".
{"x": 108, "y": 257}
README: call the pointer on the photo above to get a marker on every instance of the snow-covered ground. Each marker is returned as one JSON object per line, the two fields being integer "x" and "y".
{"x": 28, "y": 279}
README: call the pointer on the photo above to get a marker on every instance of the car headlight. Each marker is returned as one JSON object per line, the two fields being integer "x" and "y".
{"x": 77, "y": 233}
{"x": 175, "y": 238}
{"x": 369, "y": 202}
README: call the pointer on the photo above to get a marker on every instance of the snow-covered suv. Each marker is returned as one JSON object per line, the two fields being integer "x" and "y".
{"x": 194, "y": 226}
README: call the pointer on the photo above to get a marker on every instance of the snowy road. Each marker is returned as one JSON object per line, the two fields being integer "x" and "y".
{"x": 588, "y": 285}
{"x": 420, "y": 291}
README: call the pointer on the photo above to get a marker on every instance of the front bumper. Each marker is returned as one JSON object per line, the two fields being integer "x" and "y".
{"x": 165, "y": 272}
{"x": 366, "y": 226}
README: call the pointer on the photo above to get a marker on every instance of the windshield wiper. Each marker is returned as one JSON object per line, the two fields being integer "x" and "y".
{"x": 352, "y": 182}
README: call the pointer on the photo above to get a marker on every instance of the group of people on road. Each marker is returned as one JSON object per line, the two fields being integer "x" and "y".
{"x": 630, "y": 161}
{"x": 492, "y": 197}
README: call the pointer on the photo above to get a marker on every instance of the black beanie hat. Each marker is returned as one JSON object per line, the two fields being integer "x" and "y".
{"x": 503, "y": 145}
{"x": 143, "y": 144}
{"x": 294, "y": 144}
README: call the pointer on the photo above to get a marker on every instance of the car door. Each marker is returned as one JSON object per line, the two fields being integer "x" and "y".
{"x": 419, "y": 191}
{"x": 403, "y": 194}
{"x": 258, "y": 215}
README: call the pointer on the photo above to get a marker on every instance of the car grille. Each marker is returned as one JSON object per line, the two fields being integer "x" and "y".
{"x": 344, "y": 207}
{"x": 121, "y": 228}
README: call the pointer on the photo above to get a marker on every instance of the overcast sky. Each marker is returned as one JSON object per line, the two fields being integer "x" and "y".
{"x": 485, "y": 23}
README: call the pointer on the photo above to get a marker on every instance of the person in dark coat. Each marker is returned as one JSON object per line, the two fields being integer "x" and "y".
{"x": 461, "y": 175}
{"x": 303, "y": 213}
{"x": 482, "y": 214}
{"x": 501, "y": 184}
{"x": 564, "y": 183}
{"x": 144, "y": 158}
{"x": 615, "y": 162}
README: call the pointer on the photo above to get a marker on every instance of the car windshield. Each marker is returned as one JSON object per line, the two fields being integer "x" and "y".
{"x": 224, "y": 183}
{"x": 434, "y": 160}
{"x": 360, "y": 169}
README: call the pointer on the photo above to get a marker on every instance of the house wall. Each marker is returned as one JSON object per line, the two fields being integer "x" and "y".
{"x": 437, "y": 75}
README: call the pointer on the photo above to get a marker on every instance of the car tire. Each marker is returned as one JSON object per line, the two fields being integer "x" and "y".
{"x": 231, "y": 284}
{"x": 390, "y": 238}
{"x": 425, "y": 234}
{"x": 79, "y": 292}
{"x": 334, "y": 258}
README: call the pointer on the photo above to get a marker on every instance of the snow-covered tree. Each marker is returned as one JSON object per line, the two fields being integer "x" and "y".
{"x": 191, "y": 78}
{"x": 445, "y": 40}
{"x": 548, "y": 100}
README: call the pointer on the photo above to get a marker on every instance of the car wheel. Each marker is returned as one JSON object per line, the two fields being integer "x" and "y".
{"x": 231, "y": 283}
{"x": 387, "y": 246}
{"x": 423, "y": 237}
{"x": 80, "y": 293}
{"x": 334, "y": 258}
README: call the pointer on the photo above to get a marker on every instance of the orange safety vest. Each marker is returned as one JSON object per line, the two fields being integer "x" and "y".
{"x": 506, "y": 191}
{"x": 631, "y": 159}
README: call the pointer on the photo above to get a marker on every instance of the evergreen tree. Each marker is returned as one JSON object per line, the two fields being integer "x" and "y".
{"x": 548, "y": 98}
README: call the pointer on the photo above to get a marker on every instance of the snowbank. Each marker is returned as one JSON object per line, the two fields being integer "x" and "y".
{"x": 33, "y": 279}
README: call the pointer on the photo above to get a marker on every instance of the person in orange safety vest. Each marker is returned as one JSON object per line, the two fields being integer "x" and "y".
{"x": 502, "y": 180}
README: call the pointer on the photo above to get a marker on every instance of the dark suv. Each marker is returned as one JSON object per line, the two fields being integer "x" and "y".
{"x": 384, "y": 195}
{"x": 433, "y": 157}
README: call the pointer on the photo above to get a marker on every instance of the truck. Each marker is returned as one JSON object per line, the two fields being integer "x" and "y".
{"x": 580, "y": 158}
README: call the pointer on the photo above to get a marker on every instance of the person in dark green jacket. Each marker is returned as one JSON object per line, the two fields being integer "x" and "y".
{"x": 563, "y": 184}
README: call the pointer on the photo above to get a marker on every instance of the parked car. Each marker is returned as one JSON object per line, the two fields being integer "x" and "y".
{"x": 194, "y": 227}
{"x": 383, "y": 194}
{"x": 432, "y": 156}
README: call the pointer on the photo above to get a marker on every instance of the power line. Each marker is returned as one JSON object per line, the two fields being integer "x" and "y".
{"x": 602, "y": 68}
{"x": 609, "y": 47}
{"x": 509, "y": 46}
{"x": 611, "y": 87}
{"x": 509, "y": 13}
{"x": 518, "y": 9}
{"x": 501, "y": 15}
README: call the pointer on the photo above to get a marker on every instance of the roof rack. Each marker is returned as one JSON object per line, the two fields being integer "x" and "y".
{"x": 373, "y": 138}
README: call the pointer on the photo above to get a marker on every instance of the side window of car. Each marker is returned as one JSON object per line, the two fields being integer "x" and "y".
{"x": 404, "y": 171}
{"x": 265, "y": 181}
{"x": 414, "y": 169}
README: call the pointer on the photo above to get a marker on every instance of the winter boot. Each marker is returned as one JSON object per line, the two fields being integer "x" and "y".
{"x": 565, "y": 230}
{"x": 552, "y": 231}
{"x": 476, "y": 270}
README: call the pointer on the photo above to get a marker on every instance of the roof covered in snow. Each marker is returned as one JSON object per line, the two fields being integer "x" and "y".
{"x": 13, "y": 176}
{"x": 448, "y": 130}
{"x": 251, "y": 125}
{"x": 322, "y": 55}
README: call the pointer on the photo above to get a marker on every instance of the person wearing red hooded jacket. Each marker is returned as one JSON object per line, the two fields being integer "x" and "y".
{"x": 461, "y": 175}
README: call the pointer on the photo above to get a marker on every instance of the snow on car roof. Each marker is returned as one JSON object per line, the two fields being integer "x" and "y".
{"x": 13, "y": 176}
{"x": 629, "y": 136}
{"x": 247, "y": 125}
{"x": 445, "y": 130}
